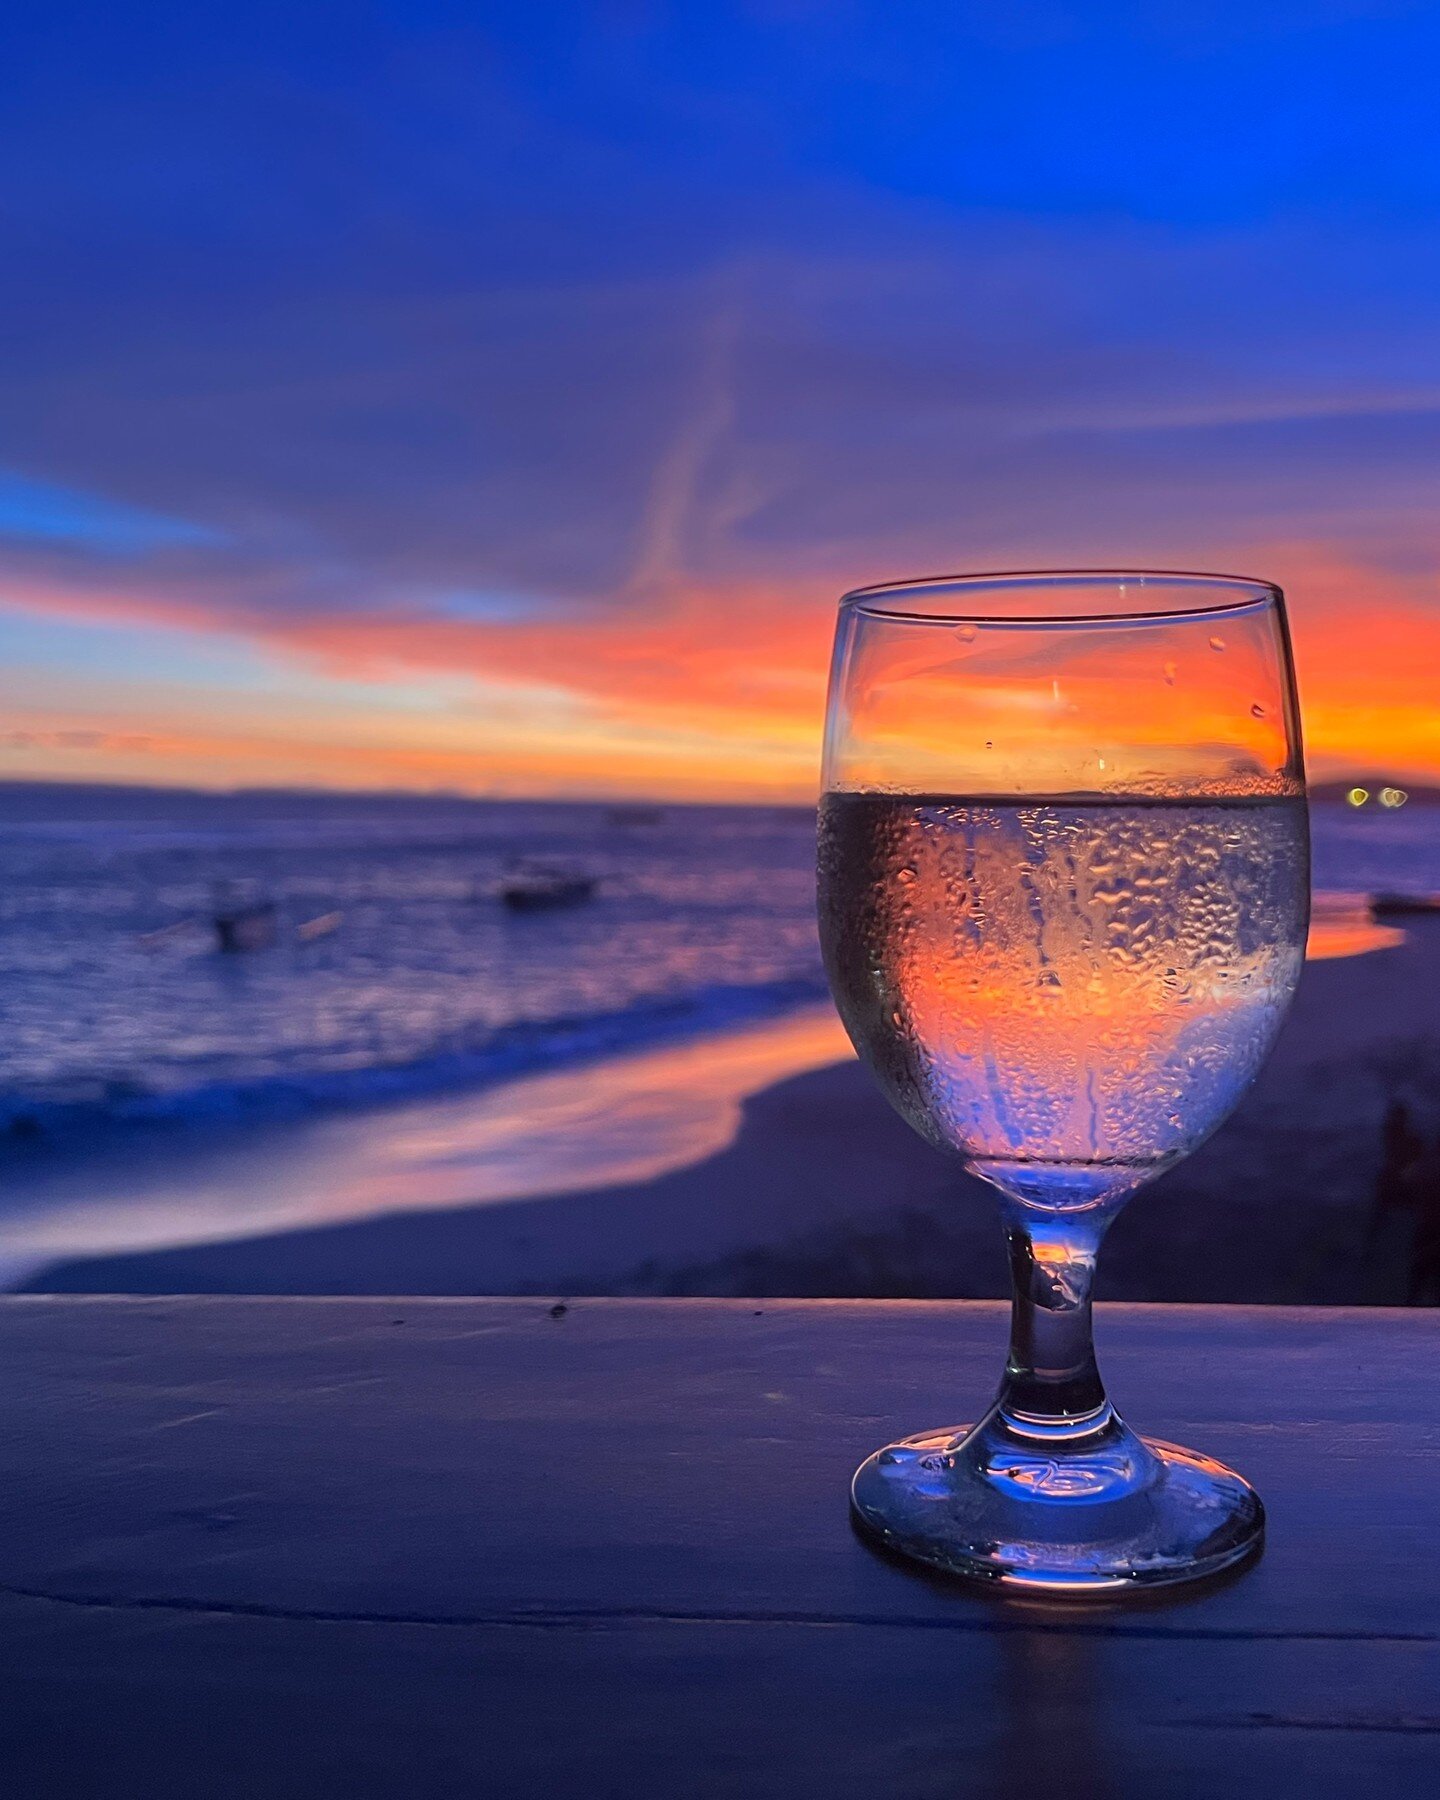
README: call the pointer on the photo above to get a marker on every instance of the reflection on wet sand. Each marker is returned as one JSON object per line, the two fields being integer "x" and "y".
{"x": 623, "y": 1121}
{"x": 1343, "y": 925}
{"x": 610, "y": 1124}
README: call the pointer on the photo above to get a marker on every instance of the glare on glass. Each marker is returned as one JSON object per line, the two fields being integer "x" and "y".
{"x": 1064, "y": 889}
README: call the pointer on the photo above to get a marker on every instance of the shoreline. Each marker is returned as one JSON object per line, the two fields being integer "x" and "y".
{"x": 824, "y": 1191}
{"x": 609, "y": 1122}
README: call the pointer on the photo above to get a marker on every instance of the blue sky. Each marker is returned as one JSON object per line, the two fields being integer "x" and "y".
{"x": 375, "y": 348}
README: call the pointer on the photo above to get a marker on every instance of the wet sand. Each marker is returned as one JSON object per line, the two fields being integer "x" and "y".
{"x": 824, "y": 1191}
{"x": 619, "y": 1122}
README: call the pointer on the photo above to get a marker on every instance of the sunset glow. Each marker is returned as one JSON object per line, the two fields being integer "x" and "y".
{"x": 534, "y": 459}
{"x": 713, "y": 695}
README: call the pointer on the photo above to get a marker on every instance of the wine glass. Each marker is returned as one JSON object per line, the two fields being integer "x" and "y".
{"x": 1064, "y": 891}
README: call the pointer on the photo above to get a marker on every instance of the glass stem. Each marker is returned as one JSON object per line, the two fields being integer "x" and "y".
{"x": 1052, "y": 1386}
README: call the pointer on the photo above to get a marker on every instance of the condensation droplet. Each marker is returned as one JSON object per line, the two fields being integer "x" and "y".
{"x": 1217, "y": 643}
{"x": 965, "y": 633}
{"x": 905, "y": 877}
{"x": 1169, "y": 673}
{"x": 1257, "y": 711}
{"x": 989, "y": 745}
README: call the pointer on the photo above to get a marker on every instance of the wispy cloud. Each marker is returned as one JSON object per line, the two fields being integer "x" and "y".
{"x": 552, "y": 378}
{"x": 673, "y": 496}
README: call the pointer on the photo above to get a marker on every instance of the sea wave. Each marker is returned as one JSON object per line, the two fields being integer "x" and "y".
{"x": 512, "y": 1050}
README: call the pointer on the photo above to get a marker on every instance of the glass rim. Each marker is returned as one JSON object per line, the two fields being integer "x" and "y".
{"x": 1248, "y": 591}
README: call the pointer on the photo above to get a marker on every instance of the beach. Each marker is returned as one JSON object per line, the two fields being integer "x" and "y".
{"x": 649, "y": 1093}
{"x": 772, "y": 1166}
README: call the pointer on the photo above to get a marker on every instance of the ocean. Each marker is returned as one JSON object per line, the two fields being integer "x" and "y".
{"x": 433, "y": 1050}
{"x": 115, "y": 1004}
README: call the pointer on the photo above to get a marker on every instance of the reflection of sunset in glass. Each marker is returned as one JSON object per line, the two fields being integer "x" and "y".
{"x": 1061, "y": 987}
{"x": 1149, "y": 707}
{"x": 1069, "y": 973}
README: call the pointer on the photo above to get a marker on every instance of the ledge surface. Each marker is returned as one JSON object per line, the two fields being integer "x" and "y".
{"x": 492, "y": 1547}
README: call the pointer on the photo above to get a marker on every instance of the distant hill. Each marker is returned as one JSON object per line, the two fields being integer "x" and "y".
{"x": 81, "y": 801}
{"x": 86, "y": 801}
{"x": 1415, "y": 795}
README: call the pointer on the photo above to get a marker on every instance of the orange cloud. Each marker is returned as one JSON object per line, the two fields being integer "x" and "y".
{"x": 1367, "y": 648}
{"x": 702, "y": 690}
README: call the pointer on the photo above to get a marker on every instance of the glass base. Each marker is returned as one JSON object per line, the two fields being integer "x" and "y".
{"x": 1088, "y": 1509}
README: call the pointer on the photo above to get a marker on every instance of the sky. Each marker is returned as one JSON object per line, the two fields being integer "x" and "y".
{"x": 496, "y": 399}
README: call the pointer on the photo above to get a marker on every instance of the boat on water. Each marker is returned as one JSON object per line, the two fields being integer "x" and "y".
{"x": 249, "y": 926}
{"x": 1403, "y": 906}
{"x": 539, "y": 887}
